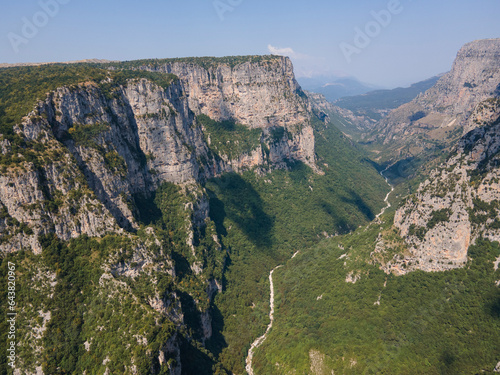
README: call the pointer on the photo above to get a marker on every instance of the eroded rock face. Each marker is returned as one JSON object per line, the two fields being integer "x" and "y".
{"x": 441, "y": 112}
{"x": 259, "y": 95}
{"x": 474, "y": 77}
{"x": 109, "y": 144}
{"x": 459, "y": 201}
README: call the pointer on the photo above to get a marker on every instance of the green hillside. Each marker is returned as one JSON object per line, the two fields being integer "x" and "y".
{"x": 421, "y": 323}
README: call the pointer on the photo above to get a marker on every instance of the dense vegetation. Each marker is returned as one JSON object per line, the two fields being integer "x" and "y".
{"x": 206, "y": 62}
{"x": 229, "y": 138}
{"x": 263, "y": 220}
{"x": 421, "y": 323}
{"x": 100, "y": 318}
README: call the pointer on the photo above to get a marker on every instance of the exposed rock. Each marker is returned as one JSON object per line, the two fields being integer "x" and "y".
{"x": 259, "y": 95}
{"x": 101, "y": 147}
{"x": 439, "y": 114}
{"x": 317, "y": 359}
{"x": 114, "y": 145}
{"x": 456, "y": 204}
{"x": 353, "y": 277}
{"x": 172, "y": 348}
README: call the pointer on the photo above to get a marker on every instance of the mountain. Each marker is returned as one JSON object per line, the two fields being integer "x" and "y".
{"x": 143, "y": 204}
{"x": 376, "y": 104}
{"x": 347, "y": 121}
{"x": 459, "y": 202}
{"x": 128, "y": 140}
{"x": 160, "y": 216}
{"x": 436, "y": 119}
{"x": 335, "y": 88}
{"x": 358, "y": 114}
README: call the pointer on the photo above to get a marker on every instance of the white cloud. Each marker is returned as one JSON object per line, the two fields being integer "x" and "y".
{"x": 287, "y": 51}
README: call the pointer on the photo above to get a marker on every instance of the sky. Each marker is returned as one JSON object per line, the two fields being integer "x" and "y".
{"x": 387, "y": 43}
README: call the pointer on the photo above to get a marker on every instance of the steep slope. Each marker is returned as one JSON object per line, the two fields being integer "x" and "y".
{"x": 336, "y": 311}
{"x": 377, "y": 300}
{"x": 436, "y": 119}
{"x": 459, "y": 202}
{"x": 129, "y": 139}
{"x": 347, "y": 121}
{"x": 361, "y": 303}
{"x": 260, "y": 92}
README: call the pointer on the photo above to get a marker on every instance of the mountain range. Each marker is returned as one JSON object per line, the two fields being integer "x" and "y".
{"x": 334, "y": 88}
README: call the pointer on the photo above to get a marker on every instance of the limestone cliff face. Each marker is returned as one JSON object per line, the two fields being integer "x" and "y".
{"x": 458, "y": 202}
{"x": 440, "y": 114}
{"x": 260, "y": 95}
{"x": 116, "y": 142}
{"x": 47, "y": 194}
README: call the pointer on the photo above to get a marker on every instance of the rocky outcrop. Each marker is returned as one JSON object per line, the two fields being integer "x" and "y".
{"x": 439, "y": 115}
{"x": 94, "y": 151}
{"x": 260, "y": 95}
{"x": 459, "y": 201}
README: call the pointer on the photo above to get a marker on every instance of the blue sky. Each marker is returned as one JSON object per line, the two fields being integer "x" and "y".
{"x": 419, "y": 39}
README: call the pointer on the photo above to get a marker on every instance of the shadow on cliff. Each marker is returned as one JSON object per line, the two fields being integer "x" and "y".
{"x": 217, "y": 342}
{"x": 196, "y": 360}
{"x": 354, "y": 199}
{"x": 97, "y": 186}
{"x": 233, "y": 198}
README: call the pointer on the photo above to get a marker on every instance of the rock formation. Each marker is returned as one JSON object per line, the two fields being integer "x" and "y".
{"x": 460, "y": 200}
{"x": 438, "y": 116}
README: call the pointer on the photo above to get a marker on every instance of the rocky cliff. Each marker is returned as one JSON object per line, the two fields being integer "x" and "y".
{"x": 458, "y": 203}
{"x": 116, "y": 141}
{"x": 259, "y": 93}
{"x": 438, "y": 116}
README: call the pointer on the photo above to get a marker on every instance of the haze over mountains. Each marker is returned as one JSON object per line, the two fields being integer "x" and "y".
{"x": 334, "y": 88}
{"x": 145, "y": 203}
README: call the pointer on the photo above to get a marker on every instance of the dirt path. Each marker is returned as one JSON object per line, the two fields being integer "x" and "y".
{"x": 258, "y": 342}
{"x": 386, "y": 200}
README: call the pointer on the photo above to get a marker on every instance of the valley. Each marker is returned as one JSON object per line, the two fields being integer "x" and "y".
{"x": 207, "y": 215}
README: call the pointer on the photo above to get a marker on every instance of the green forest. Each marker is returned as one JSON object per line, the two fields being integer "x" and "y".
{"x": 421, "y": 323}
